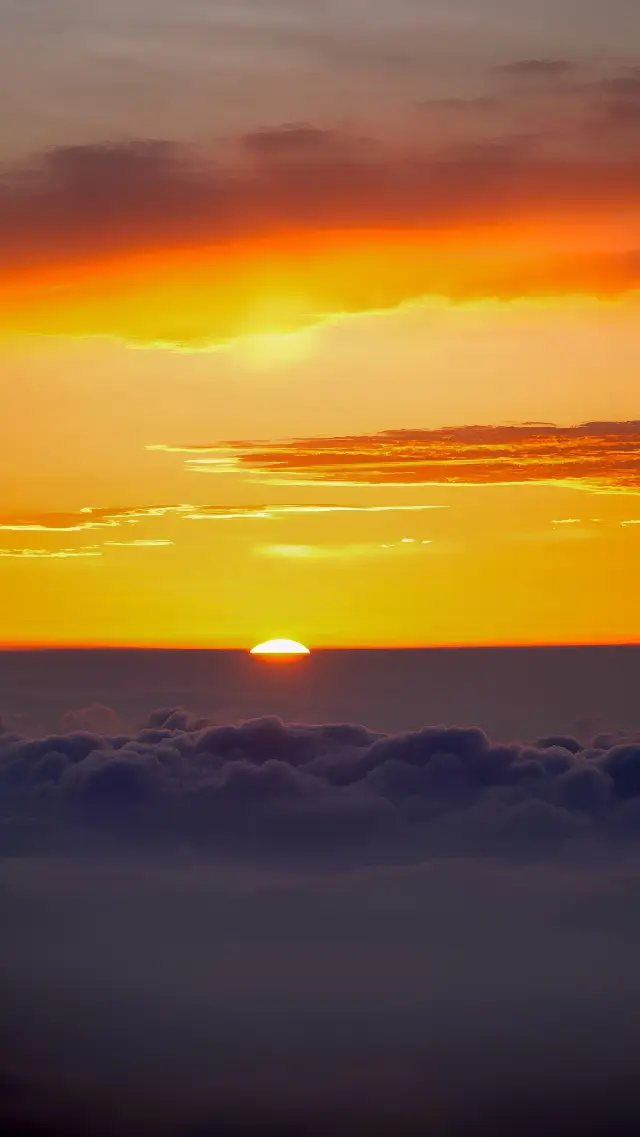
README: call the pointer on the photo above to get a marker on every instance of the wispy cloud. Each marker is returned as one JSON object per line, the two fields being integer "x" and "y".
{"x": 47, "y": 523}
{"x": 224, "y": 513}
{"x": 340, "y": 552}
{"x": 162, "y": 446}
{"x": 136, "y": 544}
{"x": 27, "y": 553}
{"x": 537, "y": 69}
{"x": 105, "y": 518}
{"x": 599, "y": 456}
{"x": 51, "y": 554}
{"x": 88, "y": 517}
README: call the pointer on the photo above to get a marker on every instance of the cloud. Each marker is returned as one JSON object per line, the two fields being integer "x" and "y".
{"x": 159, "y": 245}
{"x": 598, "y": 456}
{"x": 88, "y": 518}
{"x": 615, "y": 103}
{"x": 266, "y": 928}
{"x": 136, "y": 544}
{"x": 296, "y": 142}
{"x": 315, "y": 792}
{"x": 52, "y": 554}
{"x": 335, "y": 552}
{"x": 29, "y": 553}
{"x": 457, "y": 106}
{"x": 316, "y": 552}
{"x": 53, "y": 523}
{"x": 537, "y": 69}
{"x": 267, "y": 512}
{"x": 105, "y": 518}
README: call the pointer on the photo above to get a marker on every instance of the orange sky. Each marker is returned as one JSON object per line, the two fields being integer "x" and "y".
{"x": 208, "y": 296}
{"x": 180, "y": 548}
{"x": 202, "y": 339}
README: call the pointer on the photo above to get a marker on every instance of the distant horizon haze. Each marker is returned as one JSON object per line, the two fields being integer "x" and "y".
{"x": 509, "y": 692}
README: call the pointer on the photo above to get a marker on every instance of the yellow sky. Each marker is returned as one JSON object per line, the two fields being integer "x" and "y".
{"x": 489, "y": 564}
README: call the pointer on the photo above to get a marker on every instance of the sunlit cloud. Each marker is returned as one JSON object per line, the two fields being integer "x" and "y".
{"x": 142, "y": 513}
{"x": 220, "y": 459}
{"x": 222, "y": 513}
{"x": 137, "y": 544}
{"x": 89, "y": 517}
{"x": 336, "y": 552}
{"x": 51, "y": 554}
{"x": 173, "y": 249}
{"x": 78, "y": 551}
{"x": 602, "y": 457}
{"x": 44, "y": 526}
{"x": 238, "y": 514}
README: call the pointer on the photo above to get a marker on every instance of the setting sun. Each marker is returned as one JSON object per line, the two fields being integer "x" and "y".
{"x": 280, "y": 647}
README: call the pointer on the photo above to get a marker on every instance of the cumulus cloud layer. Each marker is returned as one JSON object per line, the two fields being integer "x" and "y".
{"x": 317, "y": 793}
{"x": 597, "y": 456}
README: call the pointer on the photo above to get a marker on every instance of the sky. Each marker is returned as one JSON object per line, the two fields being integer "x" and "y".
{"x": 319, "y": 321}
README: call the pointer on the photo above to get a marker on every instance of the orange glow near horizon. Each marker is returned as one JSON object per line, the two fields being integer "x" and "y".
{"x": 207, "y": 296}
{"x": 498, "y": 571}
{"x": 422, "y": 542}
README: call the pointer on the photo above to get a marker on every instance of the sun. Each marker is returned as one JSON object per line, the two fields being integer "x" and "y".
{"x": 280, "y": 647}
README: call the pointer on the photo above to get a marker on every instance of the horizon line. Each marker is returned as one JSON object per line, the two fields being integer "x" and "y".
{"x": 523, "y": 645}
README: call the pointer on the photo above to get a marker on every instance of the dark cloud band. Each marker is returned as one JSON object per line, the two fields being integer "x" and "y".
{"x": 316, "y": 792}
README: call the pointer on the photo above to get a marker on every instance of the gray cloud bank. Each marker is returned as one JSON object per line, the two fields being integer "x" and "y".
{"x": 286, "y": 929}
{"x": 321, "y": 794}
{"x": 125, "y": 196}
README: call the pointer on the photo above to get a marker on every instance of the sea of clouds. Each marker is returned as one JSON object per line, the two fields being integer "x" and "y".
{"x": 319, "y": 793}
{"x": 290, "y": 929}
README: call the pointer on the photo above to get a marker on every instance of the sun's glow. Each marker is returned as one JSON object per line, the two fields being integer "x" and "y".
{"x": 280, "y": 647}
{"x": 271, "y": 350}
